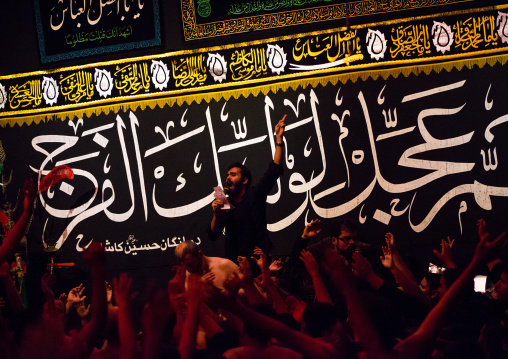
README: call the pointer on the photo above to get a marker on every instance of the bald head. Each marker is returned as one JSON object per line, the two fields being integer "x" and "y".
{"x": 189, "y": 254}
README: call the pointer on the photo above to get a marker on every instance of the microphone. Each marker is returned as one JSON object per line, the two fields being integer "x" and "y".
{"x": 227, "y": 190}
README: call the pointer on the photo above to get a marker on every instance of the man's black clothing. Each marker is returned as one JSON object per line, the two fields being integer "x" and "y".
{"x": 246, "y": 223}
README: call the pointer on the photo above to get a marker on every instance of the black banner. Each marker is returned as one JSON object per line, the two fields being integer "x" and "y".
{"x": 72, "y": 28}
{"x": 421, "y": 156}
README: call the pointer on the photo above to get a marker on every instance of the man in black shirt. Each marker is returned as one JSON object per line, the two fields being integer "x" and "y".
{"x": 246, "y": 223}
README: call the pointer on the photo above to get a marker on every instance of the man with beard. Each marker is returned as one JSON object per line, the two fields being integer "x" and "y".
{"x": 245, "y": 223}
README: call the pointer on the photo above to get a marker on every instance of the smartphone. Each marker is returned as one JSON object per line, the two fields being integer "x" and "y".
{"x": 436, "y": 269}
{"x": 480, "y": 283}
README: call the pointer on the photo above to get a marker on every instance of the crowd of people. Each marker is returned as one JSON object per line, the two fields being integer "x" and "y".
{"x": 326, "y": 300}
{"x": 215, "y": 308}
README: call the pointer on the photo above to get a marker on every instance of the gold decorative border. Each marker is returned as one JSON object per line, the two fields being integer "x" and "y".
{"x": 194, "y": 31}
{"x": 256, "y": 90}
{"x": 265, "y": 41}
{"x": 117, "y": 103}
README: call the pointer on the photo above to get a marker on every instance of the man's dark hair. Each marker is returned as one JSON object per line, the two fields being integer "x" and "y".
{"x": 245, "y": 172}
{"x": 450, "y": 275}
{"x": 319, "y": 317}
{"x": 433, "y": 281}
{"x": 253, "y": 331}
{"x": 336, "y": 227}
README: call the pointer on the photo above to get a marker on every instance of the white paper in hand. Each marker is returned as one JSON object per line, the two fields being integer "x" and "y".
{"x": 219, "y": 194}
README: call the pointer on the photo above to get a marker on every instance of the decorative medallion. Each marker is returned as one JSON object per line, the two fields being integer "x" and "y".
{"x": 103, "y": 82}
{"x": 277, "y": 58}
{"x": 49, "y": 90}
{"x": 376, "y": 44}
{"x": 160, "y": 74}
{"x": 502, "y": 26}
{"x": 442, "y": 36}
{"x": 3, "y": 96}
{"x": 217, "y": 66}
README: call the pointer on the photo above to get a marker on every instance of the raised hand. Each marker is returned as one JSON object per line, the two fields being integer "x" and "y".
{"x": 63, "y": 298}
{"x": 261, "y": 261}
{"x": 16, "y": 233}
{"x": 247, "y": 277}
{"x": 208, "y": 278}
{"x": 232, "y": 286}
{"x": 446, "y": 256}
{"x": 95, "y": 254}
{"x": 312, "y": 229}
{"x": 310, "y": 263}
{"x": 482, "y": 228}
{"x": 176, "y": 285}
{"x": 387, "y": 258}
{"x": 109, "y": 292}
{"x": 217, "y": 205}
{"x": 487, "y": 248}
{"x": 276, "y": 265}
{"x": 122, "y": 289}
{"x": 74, "y": 295}
{"x": 390, "y": 240}
{"x": 279, "y": 128}
{"x": 81, "y": 309}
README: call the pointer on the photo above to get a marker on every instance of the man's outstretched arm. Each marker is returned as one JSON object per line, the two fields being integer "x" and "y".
{"x": 279, "y": 141}
{"x": 17, "y": 232}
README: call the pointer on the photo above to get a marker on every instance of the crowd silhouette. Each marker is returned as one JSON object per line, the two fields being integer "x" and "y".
{"x": 327, "y": 300}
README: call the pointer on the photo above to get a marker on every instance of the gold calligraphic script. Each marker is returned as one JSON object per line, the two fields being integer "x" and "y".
{"x": 193, "y": 31}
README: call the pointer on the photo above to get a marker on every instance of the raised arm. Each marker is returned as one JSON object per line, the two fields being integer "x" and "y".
{"x": 278, "y": 302}
{"x": 95, "y": 255}
{"x": 194, "y": 296}
{"x": 127, "y": 334}
{"x": 446, "y": 256}
{"x": 74, "y": 297}
{"x": 246, "y": 281}
{"x": 363, "y": 269}
{"x": 209, "y": 321}
{"x": 82, "y": 311}
{"x": 176, "y": 290}
{"x": 409, "y": 286}
{"x": 10, "y": 289}
{"x": 312, "y": 266}
{"x": 279, "y": 141}
{"x": 47, "y": 283}
{"x": 311, "y": 230}
{"x": 17, "y": 232}
{"x": 343, "y": 280}
{"x": 397, "y": 258}
{"x": 154, "y": 321}
{"x": 305, "y": 344}
{"x": 429, "y": 329}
